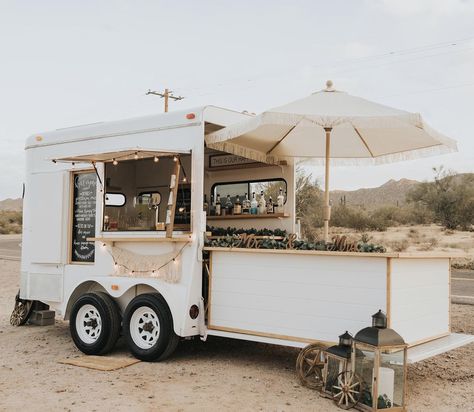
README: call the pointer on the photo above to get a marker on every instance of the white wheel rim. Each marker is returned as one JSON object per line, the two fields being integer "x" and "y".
{"x": 88, "y": 324}
{"x": 144, "y": 327}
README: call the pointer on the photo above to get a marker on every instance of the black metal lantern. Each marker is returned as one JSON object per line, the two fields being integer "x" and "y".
{"x": 379, "y": 357}
{"x": 337, "y": 361}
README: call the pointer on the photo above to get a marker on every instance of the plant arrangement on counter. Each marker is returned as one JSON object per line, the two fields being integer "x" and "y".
{"x": 281, "y": 239}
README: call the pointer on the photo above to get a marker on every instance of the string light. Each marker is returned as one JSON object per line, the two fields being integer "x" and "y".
{"x": 185, "y": 179}
{"x": 135, "y": 156}
{"x": 175, "y": 158}
{"x": 115, "y": 162}
{"x": 156, "y": 159}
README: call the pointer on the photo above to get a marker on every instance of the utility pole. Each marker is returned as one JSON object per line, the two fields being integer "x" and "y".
{"x": 167, "y": 94}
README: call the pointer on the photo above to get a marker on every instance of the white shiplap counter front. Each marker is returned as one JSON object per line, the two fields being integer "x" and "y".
{"x": 308, "y": 296}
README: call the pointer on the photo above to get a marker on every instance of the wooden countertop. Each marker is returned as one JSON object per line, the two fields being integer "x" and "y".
{"x": 265, "y": 216}
{"x": 403, "y": 255}
{"x": 109, "y": 239}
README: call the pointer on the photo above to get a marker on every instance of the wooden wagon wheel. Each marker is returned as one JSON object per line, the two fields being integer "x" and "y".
{"x": 347, "y": 390}
{"x": 21, "y": 311}
{"x": 309, "y": 366}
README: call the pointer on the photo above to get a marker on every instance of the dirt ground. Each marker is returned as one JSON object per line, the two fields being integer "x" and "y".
{"x": 221, "y": 374}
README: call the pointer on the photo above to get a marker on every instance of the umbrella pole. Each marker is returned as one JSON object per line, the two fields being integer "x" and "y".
{"x": 327, "y": 207}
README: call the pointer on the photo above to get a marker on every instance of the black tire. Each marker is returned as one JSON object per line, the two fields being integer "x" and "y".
{"x": 110, "y": 323}
{"x": 166, "y": 341}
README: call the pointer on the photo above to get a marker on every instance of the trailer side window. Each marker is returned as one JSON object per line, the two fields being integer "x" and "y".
{"x": 137, "y": 193}
{"x": 233, "y": 189}
{"x": 114, "y": 199}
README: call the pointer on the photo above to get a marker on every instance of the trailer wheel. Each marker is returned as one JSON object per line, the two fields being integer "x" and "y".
{"x": 148, "y": 328}
{"x": 95, "y": 323}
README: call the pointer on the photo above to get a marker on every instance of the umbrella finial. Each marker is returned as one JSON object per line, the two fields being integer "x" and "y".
{"x": 329, "y": 86}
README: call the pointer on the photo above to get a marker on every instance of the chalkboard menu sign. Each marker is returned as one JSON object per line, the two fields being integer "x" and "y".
{"x": 83, "y": 220}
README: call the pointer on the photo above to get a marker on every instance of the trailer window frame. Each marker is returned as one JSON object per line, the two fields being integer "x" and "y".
{"x": 249, "y": 182}
{"x": 70, "y": 228}
{"x": 148, "y": 231}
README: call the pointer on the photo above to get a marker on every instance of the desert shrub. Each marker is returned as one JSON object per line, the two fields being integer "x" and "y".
{"x": 10, "y": 222}
{"x": 309, "y": 205}
{"x": 449, "y": 197}
{"x": 365, "y": 238}
{"x": 464, "y": 264}
{"x": 358, "y": 219}
{"x": 430, "y": 244}
{"x": 399, "y": 245}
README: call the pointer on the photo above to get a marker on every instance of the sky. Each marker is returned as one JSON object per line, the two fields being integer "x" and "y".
{"x": 77, "y": 62}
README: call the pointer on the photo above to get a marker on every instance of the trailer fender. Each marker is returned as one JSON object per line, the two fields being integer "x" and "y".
{"x": 85, "y": 287}
{"x": 141, "y": 288}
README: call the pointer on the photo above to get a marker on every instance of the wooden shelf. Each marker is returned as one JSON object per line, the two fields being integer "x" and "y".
{"x": 110, "y": 239}
{"x": 266, "y": 216}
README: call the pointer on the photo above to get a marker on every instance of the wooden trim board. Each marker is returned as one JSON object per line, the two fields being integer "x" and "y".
{"x": 269, "y": 335}
{"x": 388, "y": 297}
{"x": 331, "y": 253}
{"x": 110, "y": 239}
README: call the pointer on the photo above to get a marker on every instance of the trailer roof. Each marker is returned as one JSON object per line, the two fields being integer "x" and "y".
{"x": 214, "y": 117}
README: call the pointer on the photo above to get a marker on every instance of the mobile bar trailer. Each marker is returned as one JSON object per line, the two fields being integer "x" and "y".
{"x": 114, "y": 241}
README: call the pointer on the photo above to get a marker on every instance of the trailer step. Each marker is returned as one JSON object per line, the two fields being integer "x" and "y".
{"x": 42, "y": 317}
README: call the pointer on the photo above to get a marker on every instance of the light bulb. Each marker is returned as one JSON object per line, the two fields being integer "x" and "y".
{"x": 185, "y": 179}
{"x": 175, "y": 158}
{"x": 156, "y": 159}
{"x": 115, "y": 162}
{"x": 136, "y": 156}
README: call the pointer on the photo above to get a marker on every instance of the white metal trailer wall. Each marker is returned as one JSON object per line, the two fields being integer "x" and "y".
{"x": 420, "y": 298}
{"x": 295, "y": 296}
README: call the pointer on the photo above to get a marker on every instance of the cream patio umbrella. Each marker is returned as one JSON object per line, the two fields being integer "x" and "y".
{"x": 331, "y": 125}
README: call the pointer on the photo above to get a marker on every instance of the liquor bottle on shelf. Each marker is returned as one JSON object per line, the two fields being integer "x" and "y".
{"x": 253, "y": 205}
{"x": 205, "y": 206}
{"x": 280, "y": 201}
{"x": 246, "y": 205}
{"x": 270, "y": 205}
{"x": 229, "y": 206}
{"x": 262, "y": 205}
{"x": 237, "y": 206}
{"x": 218, "y": 205}
{"x": 212, "y": 207}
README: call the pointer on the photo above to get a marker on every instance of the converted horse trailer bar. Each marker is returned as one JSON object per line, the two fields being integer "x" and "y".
{"x": 114, "y": 240}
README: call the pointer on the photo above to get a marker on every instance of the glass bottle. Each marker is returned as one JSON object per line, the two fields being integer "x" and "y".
{"x": 205, "y": 206}
{"x": 218, "y": 205}
{"x": 246, "y": 205}
{"x": 270, "y": 206}
{"x": 229, "y": 206}
{"x": 253, "y": 205}
{"x": 212, "y": 207}
{"x": 237, "y": 206}
{"x": 280, "y": 201}
{"x": 262, "y": 205}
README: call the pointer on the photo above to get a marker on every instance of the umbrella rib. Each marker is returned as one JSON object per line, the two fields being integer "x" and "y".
{"x": 284, "y": 137}
{"x": 363, "y": 141}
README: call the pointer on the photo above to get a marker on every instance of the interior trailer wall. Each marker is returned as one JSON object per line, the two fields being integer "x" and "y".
{"x": 245, "y": 173}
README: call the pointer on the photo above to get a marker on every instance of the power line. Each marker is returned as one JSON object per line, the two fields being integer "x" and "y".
{"x": 413, "y": 51}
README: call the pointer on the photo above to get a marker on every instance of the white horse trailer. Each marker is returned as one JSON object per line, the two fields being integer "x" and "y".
{"x": 113, "y": 239}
